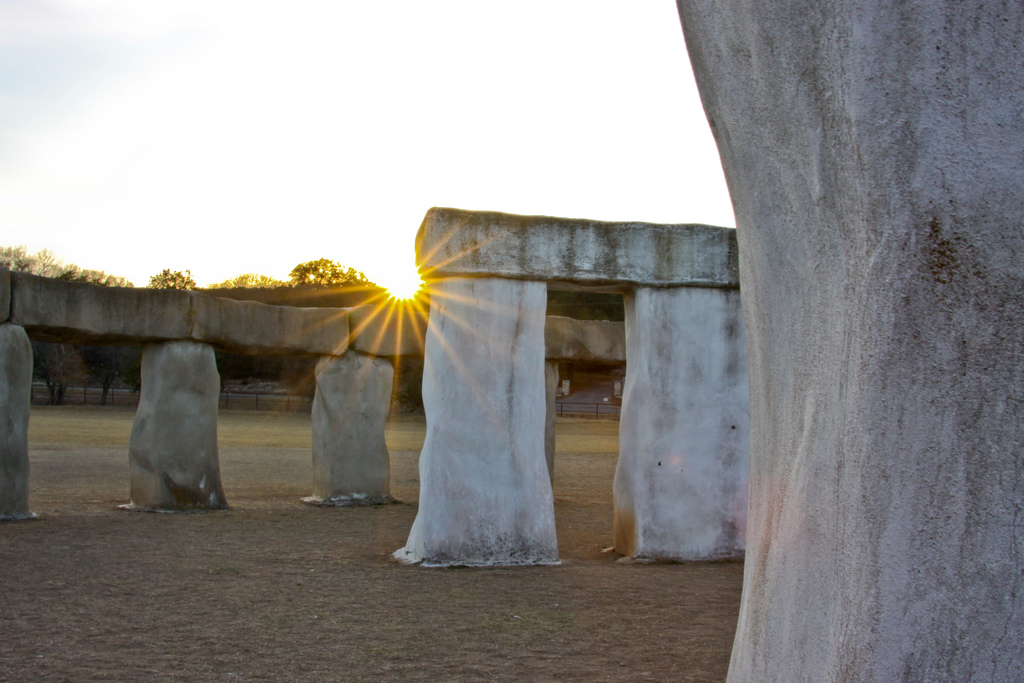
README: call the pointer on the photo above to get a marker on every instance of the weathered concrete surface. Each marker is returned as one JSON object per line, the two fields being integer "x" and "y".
{"x": 568, "y": 251}
{"x": 585, "y": 341}
{"x": 873, "y": 152}
{"x": 76, "y": 312}
{"x": 550, "y": 390}
{"x": 351, "y": 464}
{"x": 5, "y": 294}
{"x": 172, "y": 451}
{"x": 680, "y": 489}
{"x": 15, "y": 398}
{"x": 485, "y": 495}
{"x": 252, "y": 328}
{"x": 387, "y": 330}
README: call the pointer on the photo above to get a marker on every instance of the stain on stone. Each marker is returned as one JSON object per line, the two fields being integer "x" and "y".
{"x": 187, "y": 498}
{"x": 942, "y": 254}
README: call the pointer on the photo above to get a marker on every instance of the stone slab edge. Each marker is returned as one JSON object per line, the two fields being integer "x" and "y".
{"x": 257, "y": 329}
{"x": 375, "y": 331}
{"x": 585, "y": 341}
{"x": 387, "y": 331}
{"x": 74, "y": 312}
{"x": 575, "y": 252}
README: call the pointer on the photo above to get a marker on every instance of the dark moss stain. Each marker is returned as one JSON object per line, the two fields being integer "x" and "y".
{"x": 186, "y": 498}
{"x": 942, "y": 253}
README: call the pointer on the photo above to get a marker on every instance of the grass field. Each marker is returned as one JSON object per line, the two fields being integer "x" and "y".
{"x": 272, "y": 590}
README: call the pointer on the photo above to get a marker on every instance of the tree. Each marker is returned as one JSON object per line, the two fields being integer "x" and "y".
{"x": 168, "y": 279}
{"x": 106, "y": 363}
{"x": 59, "y": 366}
{"x": 94, "y": 277}
{"x": 250, "y": 281}
{"x": 327, "y": 273}
{"x": 45, "y": 263}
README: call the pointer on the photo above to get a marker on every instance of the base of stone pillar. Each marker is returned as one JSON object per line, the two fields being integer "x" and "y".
{"x": 408, "y": 557}
{"x": 355, "y": 499}
{"x": 19, "y": 517}
{"x": 130, "y": 507}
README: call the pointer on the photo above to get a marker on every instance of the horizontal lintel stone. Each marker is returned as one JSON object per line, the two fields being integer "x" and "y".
{"x": 584, "y": 341}
{"x": 256, "y": 329}
{"x": 387, "y": 330}
{"x": 575, "y": 253}
{"x": 75, "y": 312}
{"x": 81, "y": 313}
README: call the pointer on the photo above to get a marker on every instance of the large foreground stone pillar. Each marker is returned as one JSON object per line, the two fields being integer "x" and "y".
{"x": 485, "y": 495}
{"x": 680, "y": 488}
{"x": 15, "y": 399}
{"x": 173, "y": 446}
{"x": 873, "y": 150}
{"x": 351, "y": 464}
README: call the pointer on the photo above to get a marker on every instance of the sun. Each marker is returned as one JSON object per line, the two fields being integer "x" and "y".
{"x": 403, "y": 285}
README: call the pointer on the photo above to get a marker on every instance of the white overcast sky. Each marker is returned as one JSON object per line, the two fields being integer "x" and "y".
{"x": 225, "y": 137}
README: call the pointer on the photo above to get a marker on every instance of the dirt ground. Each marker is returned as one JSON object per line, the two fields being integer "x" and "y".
{"x": 272, "y": 590}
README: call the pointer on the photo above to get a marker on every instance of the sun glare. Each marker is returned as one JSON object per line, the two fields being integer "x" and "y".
{"x": 403, "y": 286}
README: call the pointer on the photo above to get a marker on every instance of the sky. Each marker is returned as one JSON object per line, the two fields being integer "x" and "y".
{"x": 227, "y": 137}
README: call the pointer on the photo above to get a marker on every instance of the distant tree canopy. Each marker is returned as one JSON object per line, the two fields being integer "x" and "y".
{"x": 172, "y": 279}
{"x": 327, "y": 273}
{"x": 250, "y": 281}
{"x": 45, "y": 263}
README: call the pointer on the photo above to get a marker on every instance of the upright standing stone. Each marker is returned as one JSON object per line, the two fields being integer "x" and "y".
{"x": 485, "y": 495}
{"x": 173, "y": 447}
{"x": 550, "y": 389}
{"x": 5, "y": 295}
{"x": 680, "y": 486}
{"x": 873, "y": 151}
{"x": 351, "y": 464}
{"x": 15, "y": 399}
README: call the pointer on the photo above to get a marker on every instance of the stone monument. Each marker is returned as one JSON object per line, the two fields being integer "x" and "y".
{"x": 873, "y": 151}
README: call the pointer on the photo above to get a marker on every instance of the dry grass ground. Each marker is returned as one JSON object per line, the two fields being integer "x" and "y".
{"x": 272, "y": 590}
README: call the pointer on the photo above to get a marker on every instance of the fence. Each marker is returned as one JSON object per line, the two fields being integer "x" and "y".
{"x": 126, "y": 397}
{"x": 279, "y": 402}
{"x": 595, "y": 410}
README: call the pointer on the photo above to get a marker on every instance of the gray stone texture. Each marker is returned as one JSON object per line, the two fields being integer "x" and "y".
{"x": 172, "y": 451}
{"x": 485, "y": 495}
{"x": 550, "y": 393}
{"x": 680, "y": 490}
{"x": 386, "y": 330}
{"x": 76, "y": 312}
{"x": 575, "y": 252}
{"x": 873, "y": 152}
{"x": 15, "y": 398}
{"x": 252, "y": 328}
{"x": 5, "y": 294}
{"x": 351, "y": 464}
{"x": 585, "y": 341}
